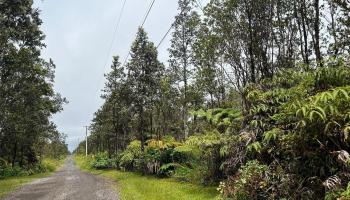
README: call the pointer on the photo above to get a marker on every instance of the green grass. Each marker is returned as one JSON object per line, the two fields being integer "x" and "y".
{"x": 8, "y": 185}
{"x": 132, "y": 186}
{"x": 52, "y": 165}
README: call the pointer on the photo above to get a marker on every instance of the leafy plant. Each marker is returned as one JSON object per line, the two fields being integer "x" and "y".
{"x": 101, "y": 161}
{"x": 248, "y": 184}
{"x": 130, "y": 156}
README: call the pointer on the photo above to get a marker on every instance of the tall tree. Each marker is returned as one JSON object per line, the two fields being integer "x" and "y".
{"x": 113, "y": 94}
{"x": 144, "y": 75}
{"x": 185, "y": 27}
{"x": 206, "y": 61}
{"x": 342, "y": 8}
{"x": 27, "y": 98}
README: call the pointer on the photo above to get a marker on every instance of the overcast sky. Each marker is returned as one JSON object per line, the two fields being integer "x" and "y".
{"x": 79, "y": 34}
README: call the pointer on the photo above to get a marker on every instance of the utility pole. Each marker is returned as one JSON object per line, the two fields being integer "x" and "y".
{"x": 86, "y": 138}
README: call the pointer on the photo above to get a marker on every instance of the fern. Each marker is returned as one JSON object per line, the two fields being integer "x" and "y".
{"x": 346, "y": 131}
{"x": 272, "y": 134}
{"x": 256, "y": 146}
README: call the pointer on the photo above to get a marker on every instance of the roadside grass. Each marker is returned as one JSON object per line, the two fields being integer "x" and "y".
{"x": 52, "y": 165}
{"x": 10, "y": 184}
{"x": 132, "y": 186}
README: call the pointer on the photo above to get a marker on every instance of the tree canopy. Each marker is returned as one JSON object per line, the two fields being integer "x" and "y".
{"x": 27, "y": 97}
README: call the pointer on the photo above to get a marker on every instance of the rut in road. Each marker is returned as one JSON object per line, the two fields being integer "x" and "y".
{"x": 69, "y": 183}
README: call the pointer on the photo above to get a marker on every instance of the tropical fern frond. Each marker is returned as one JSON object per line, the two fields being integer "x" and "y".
{"x": 342, "y": 92}
{"x": 346, "y": 131}
{"x": 272, "y": 134}
{"x": 256, "y": 146}
{"x": 313, "y": 114}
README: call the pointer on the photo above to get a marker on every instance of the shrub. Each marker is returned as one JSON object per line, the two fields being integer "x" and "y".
{"x": 46, "y": 165}
{"x": 101, "y": 161}
{"x": 206, "y": 153}
{"x": 248, "y": 184}
{"x": 345, "y": 195}
{"x": 50, "y": 165}
{"x": 161, "y": 156}
{"x": 13, "y": 171}
{"x": 131, "y": 155}
{"x": 185, "y": 173}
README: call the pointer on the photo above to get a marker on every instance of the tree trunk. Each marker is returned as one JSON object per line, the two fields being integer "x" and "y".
{"x": 251, "y": 44}
{"x": 14, "y": 154}
{"x": 115, "y": 126}
{"x": 317, "y": 33}
{"x": 304, "y": 30}
{"x": 141, "y": 130}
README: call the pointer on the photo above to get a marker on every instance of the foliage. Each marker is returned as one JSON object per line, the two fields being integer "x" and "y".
{"x": 10, "y": 184}
{"x": 302, "y": 126}
{"x": 346, "y": 193}
{"x": 131, "y": 155}
{"x": 249, "y": 183}
{"x": 27, "y": 97}
{"x": 255, "y": 96}
{"x": 101, "y": 161}
{"x": 47, "y": 165}
{"x": 224, "y": 120}
{"x": 204, "y": 153}
{"x": 181, "y": 58}
{"x": 134, "y": 186}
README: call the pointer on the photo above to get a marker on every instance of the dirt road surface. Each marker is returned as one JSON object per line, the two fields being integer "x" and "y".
{"x": 69, "y": 183}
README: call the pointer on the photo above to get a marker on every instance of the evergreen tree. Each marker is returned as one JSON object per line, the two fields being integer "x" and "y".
{"x": 181, "y": 60}
{"x": 114, "y": 95}
{"x": 144, "y": 75}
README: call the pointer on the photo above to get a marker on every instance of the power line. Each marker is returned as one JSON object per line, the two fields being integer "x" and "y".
{"x": 143, "y": 23}
{"x": 166, "y": 34}
{"x": 199, "y": 4}
{"x": 149, "y": 10}
{"x": 126, "y": 58}
{"x": 115, "y": 31}
{"x": 113, "y": 40}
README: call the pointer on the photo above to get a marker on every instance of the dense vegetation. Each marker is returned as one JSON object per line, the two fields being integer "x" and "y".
{"x": 27, "y": 98}
{"x": 13, "y": 181}
{"x": 134, "y": 186}
{"x": 255, "y": 99}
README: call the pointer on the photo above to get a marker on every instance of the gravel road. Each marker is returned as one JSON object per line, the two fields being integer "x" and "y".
{"x": 69, "y": 183}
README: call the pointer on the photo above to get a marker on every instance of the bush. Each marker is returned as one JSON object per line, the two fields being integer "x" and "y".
{"x": 301, "y": 121}
{"x": 345, "y": 195}
{"x": 46, "y": 165}
{"x": 158, "y": 154}
{"x": 50, "y": 165}
{"x": 248, "y": 184}
{"x": 12, "y": 171}
{"x": 131, "y": 155}
{"x": 167, "y": 170}
{"x": 101, "y": 161}
{"x": 205, "y": 154}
